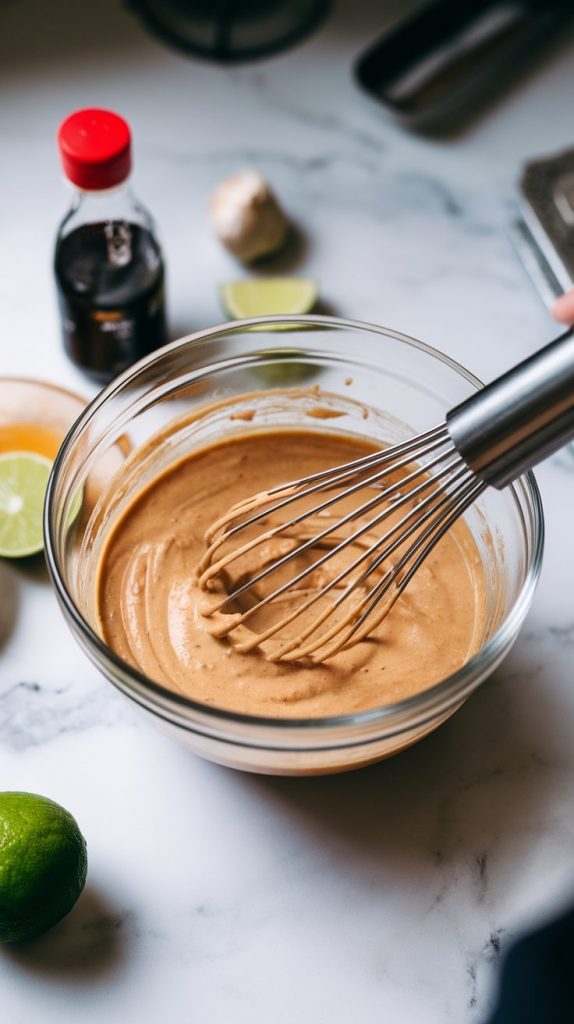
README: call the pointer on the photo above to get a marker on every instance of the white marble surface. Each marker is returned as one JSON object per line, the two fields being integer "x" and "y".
{"x": 214, "y": 896}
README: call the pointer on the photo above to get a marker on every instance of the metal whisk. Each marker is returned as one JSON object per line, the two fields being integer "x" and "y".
{"x": 418, "y": 489}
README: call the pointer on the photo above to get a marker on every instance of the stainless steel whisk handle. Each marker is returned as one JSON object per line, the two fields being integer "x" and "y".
{"x": 520, "y": 418}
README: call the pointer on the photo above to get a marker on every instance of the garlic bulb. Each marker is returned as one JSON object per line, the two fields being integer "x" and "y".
{"x": 247, "y": 217}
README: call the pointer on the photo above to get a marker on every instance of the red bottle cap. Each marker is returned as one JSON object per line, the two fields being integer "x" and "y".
{"x": 95, "y": 148}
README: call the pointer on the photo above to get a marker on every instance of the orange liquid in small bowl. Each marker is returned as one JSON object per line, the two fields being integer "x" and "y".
{"x": 30, "y": 437}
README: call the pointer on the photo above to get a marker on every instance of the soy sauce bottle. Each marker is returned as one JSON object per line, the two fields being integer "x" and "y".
{"x": 108, "y": 262}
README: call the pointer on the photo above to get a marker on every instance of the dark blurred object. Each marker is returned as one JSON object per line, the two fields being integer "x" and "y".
{"x": 543, "y": 231}
{"x": 231, "y": 30}
{"x": 537, "y": 984}
{"x": 440, "y": 60}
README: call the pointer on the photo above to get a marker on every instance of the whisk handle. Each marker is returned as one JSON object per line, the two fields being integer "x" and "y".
{"x": 520, "y": 418}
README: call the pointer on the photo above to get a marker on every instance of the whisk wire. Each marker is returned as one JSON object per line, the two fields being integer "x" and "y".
{"x": 427, "y": 462}
{"x": 490, "y": 438}
{"x": 431, "y": 535}
{"x": 208, "y": 569}
{"x": 295, "y": 651}
{"x": 361, "y": 628}
{"x": 315, "y": 540}
{"x": 294, "y": 493}
{"x": 333, "y": 583}
{"x": 439, "y": 434}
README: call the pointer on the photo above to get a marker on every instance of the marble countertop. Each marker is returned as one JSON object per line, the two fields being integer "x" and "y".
{"x": 213, "y": 896}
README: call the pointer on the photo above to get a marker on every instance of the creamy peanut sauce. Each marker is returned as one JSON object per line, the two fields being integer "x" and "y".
{"x": 150, "y": 606}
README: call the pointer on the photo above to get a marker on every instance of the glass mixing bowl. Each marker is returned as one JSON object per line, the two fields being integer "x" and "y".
{"x": 406, "y": 387}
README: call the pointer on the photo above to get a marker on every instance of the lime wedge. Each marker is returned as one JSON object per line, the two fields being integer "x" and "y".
{"x": 23, "y": 482}
{"x": 267, "y": 296}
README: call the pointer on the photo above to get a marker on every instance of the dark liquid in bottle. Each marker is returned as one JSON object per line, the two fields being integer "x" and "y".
{"x": 110, "y": 278}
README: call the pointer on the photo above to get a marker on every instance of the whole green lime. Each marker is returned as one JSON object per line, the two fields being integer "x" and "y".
{"x": 43, "y": 864}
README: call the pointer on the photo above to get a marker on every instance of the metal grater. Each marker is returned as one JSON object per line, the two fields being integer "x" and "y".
{"x": 543, "y": 230}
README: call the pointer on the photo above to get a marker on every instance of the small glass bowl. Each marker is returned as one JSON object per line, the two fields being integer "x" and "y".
{"x": 407, "y": 386}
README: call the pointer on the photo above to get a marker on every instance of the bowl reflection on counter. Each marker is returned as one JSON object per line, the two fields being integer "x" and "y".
{"x": 360, "y": 365}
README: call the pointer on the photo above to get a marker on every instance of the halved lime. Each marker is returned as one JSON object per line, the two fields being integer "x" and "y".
{"x": 23, "y": 482}
{"x": 268, "y": 296}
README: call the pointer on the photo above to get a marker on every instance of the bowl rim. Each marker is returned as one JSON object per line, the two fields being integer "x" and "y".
{"x": 45, "y": 385}
{"x": 446, "y": 694}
